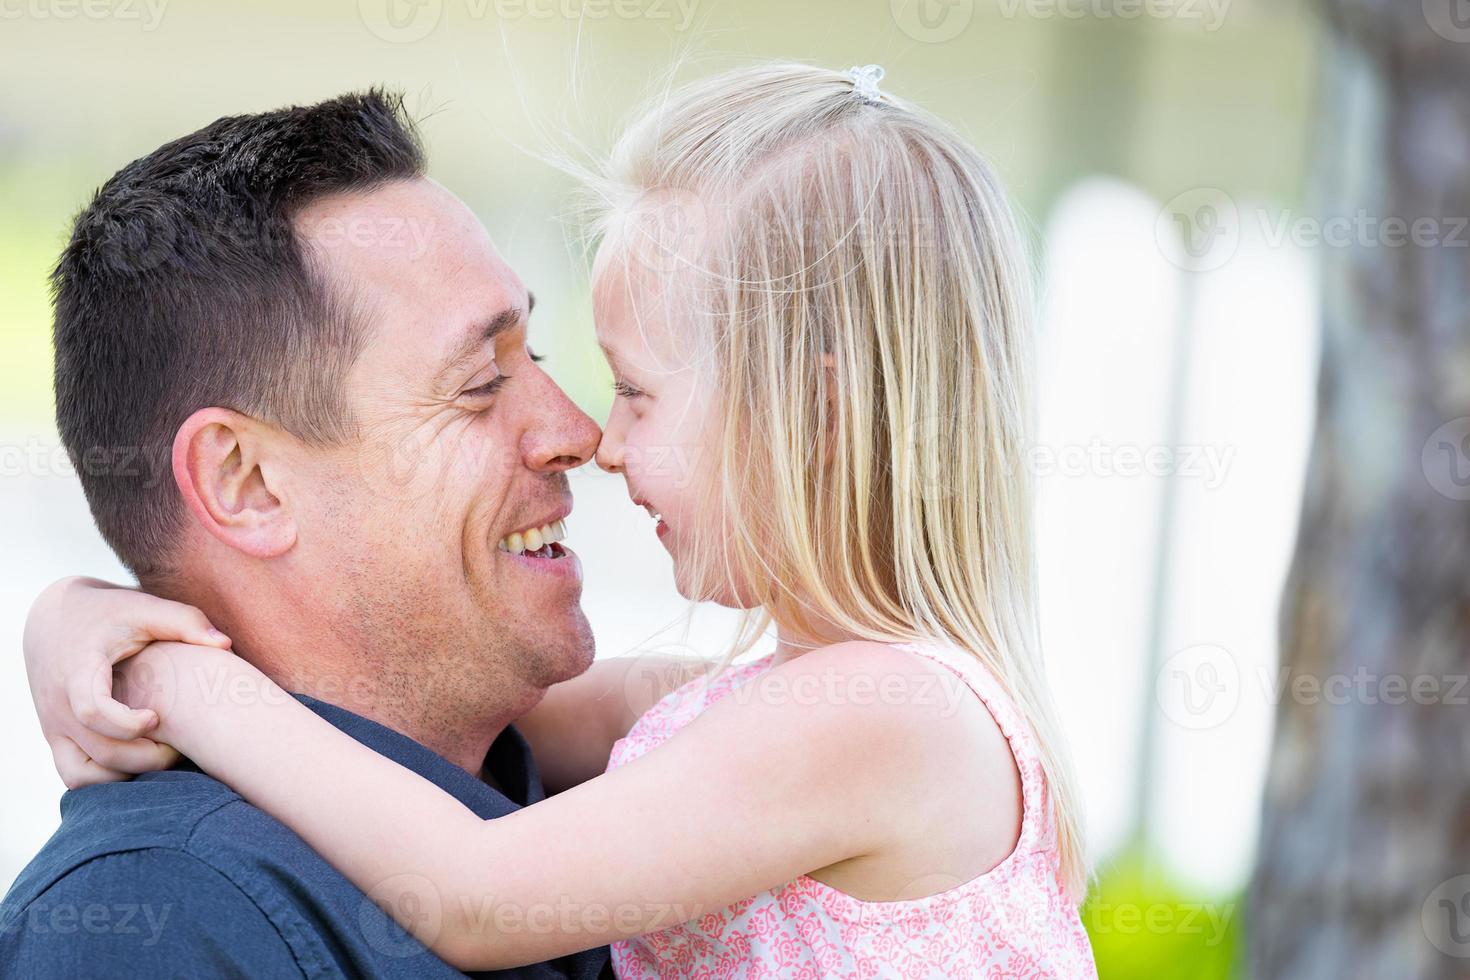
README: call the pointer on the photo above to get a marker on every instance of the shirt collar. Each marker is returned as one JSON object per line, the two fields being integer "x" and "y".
{"x": 508, "y": 762}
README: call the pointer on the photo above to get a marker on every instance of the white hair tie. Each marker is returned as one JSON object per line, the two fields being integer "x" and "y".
{"x": 865, "y": 81}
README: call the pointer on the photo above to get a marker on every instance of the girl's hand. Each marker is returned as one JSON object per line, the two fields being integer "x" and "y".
{"x": 76, "y": 631}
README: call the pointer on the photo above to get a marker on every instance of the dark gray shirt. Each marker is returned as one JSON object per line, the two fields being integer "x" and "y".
{"x": 172, "y": 874}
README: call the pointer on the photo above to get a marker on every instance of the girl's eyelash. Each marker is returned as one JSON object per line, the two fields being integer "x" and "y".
{"x": 626, "y": 390}
{"x": 489, "y": 387}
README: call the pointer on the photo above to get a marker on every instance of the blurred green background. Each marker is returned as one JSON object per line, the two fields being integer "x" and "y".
{"x": 1163, "y": 96}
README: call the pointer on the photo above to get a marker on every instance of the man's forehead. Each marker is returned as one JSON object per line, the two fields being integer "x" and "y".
{"x": 402, "y": 229}
{"x": 418, "y": 264}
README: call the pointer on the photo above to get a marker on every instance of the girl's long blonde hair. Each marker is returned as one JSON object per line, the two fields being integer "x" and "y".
{"x": 863, "y": 305}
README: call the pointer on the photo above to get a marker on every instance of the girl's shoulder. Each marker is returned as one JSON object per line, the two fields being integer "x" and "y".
{"x": 934, "y": 710}
{"x": 939, "y": 708}
{"x": 944, "y": 757}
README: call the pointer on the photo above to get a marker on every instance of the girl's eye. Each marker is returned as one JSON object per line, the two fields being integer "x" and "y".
{"x": 625, "y": 390}
{"x": 489, "y": 388}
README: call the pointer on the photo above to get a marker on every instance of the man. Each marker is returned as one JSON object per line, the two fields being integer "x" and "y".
{"x": 294, "y": 375}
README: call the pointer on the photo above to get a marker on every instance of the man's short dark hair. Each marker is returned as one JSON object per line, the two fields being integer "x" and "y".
{"x": 184, "y": 286}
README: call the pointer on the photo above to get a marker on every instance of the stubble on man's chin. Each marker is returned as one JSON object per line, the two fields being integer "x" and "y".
{"x": 437, "y": 672}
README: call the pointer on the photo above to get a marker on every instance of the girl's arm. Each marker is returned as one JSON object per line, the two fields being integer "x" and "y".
{"x": 77, "y": 630}
{"x": 572, "y": 730}
{"x": 764, "y": 786}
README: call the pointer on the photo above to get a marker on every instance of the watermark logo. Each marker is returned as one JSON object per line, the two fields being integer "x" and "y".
{"x": 417, "y": 911}
{"x": 1199, "y": 230}
{"x": 663, "y": 229}
{"x": 148, "y": 12}
{"x": 1446, "y": 459}
{"x": 678, "y": 13}
{"x": 404, "y": 466}
{"x": 932, "y": 21}
{"x": 659, "y": 671}
{"x": 1446, "y": 917}
{"x": 400, "y": 21}
{"x": 1450, "y": 19}
{"x": 1207, "y": 920}
{"x": 1199, "y": 687}
{"x": 42, "y": 918}
{"x": 1210, "y": 14}
{"x": 135, "y": 242}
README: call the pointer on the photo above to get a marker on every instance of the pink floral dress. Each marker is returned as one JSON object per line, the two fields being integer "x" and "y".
{"x": 1013, "y": 922}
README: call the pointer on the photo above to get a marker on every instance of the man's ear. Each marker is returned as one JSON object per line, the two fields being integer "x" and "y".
{"x": 227, "y": 466}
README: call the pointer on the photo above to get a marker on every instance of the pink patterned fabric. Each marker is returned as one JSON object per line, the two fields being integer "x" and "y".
{"x": 1013, "y": 922}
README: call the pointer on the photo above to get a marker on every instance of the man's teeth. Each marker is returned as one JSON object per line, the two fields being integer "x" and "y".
{"x": 534, "y": 538}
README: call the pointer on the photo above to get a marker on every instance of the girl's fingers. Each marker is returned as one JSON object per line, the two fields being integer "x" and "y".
{"x": 94, "y": 707}
{"x": 139, "y": 755}
{"x": 77, "y": 769}
{"x": 165, "y": 619}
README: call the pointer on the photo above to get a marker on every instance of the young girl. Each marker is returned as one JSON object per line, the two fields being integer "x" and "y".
{"x": 816, "y": 293}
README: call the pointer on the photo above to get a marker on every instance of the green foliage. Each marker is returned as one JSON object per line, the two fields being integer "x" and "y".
{"x": 1143, "y": 927}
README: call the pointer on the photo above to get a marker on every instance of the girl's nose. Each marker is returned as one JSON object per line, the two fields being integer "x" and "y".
{"x": 610, "y": 454}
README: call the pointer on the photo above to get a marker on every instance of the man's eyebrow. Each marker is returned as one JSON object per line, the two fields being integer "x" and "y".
{"x": 477, "y": 336}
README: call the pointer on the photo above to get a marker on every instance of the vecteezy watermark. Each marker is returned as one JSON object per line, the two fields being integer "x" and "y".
{"x": 1450, "y": 19}
{"x": 156, "y": 681}
{"x": 400, "y": 21}
{"x": 677, "y": 13}
{"x": 408, "y": 235}
{"x": 144, "y": 239}
{"x": 1207, "y": 464}
{"x": 932, "y": 21}
{"x": 1206, "y": 919}
{"x": 149, "y": 13}
{"x": 407, "y": 21}
{"x": 1210, "y": 14}
{"x": 935, "y": 442}
{"x": 41, "y": 917}
{"x": 419, "y": 910}
{"x": 1445, "y": 917}
{"x": 658, "y": 671}
{"x": 1198, "y": 687}
{"x": 1446, "y": 459}
{"x": 663, "y": 229}
{"x": 147, "y": 465}
{"x": 1201, "y": 230}
{"x": 941, "y": 689}
{"x": 1202, "y": 686}
{"x": 417, "y": 915}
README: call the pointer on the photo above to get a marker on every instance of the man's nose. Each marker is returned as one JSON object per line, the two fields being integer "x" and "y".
{"x": 565, "y": 436}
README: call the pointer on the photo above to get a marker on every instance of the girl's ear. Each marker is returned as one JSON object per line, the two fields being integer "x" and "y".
{"x": 226, "y": 467}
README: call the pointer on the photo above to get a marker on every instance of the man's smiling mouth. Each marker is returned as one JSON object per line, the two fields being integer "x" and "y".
{"x": 536, "y": 542}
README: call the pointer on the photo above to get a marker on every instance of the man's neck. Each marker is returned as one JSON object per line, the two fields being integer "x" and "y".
{"x": 464, "y": 742}
{"x": 293, "y": 647}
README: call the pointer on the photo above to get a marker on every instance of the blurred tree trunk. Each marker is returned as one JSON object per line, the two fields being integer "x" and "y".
{"x": 1367, "y": 805}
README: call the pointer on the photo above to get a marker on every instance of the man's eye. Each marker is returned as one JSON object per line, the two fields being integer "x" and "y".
{"x": 625, "y": 390}
{"x": 489, "y": 388}
{"x": 535, "y": 357}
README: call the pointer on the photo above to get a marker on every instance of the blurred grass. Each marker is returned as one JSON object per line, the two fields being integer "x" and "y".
{"x": 36, "y": 203}
{"x": 1145, "y": 927}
